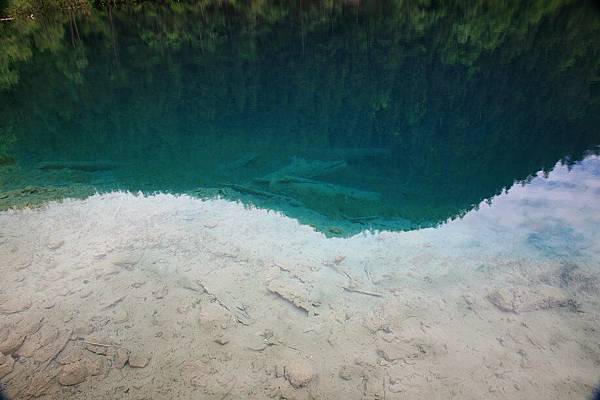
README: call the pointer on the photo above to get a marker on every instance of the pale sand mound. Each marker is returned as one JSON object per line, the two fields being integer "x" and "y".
{"x": 162, "y": 297}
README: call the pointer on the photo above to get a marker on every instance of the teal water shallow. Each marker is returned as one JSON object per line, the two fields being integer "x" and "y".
{"x": 346, "y": 117}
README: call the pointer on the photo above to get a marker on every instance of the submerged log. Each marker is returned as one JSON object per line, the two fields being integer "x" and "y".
{"x": 248, "y": 190}
{"x": 300, "y": 167}
{"x": 328, "y": 190}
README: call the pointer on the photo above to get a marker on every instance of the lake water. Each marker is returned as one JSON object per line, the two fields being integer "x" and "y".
{"x": 438, "y": 160}
{"x": 348, "y": 118}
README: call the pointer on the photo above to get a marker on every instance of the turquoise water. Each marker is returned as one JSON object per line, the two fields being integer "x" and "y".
{"x": 347, "y": 117}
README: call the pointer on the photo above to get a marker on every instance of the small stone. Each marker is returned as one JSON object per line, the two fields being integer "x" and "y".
{"x": 469, "y": 299}
{"x": 12, "y": 343}
{"x": 138, "y": 359}
{"x": 55, "y": 244}
{"x": 120, "y": 317}
{"x": 72, "y": 374}
{"x": 7, "y": 364}
{"x": 161, "y": 292}
{"x": 345, "y": 373}
{"x": 222, "y": 340}
{"x": 339, "y": 259}
{"x": 300, "y": 373}
{"x": 120, "y": 358}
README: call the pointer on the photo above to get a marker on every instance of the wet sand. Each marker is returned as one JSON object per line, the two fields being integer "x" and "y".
{"x": 161, "y": 297}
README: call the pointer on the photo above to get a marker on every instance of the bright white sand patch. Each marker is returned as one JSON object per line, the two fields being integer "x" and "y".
{"x": 124, "y": 296}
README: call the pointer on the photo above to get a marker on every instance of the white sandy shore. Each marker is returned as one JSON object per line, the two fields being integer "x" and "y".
{"x": 163, "y": 297}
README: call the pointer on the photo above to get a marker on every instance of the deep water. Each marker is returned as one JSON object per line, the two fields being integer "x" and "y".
{"x": 347, "y": 117}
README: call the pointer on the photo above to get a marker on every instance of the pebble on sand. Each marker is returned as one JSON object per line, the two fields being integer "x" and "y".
{"x": 55, "y": 244}
{"x": 138, "y": 359}
{"x": 300, "y": 373}
{"x": 13, "y": 341}
{"x": 120, "y": 358}
{"x": 345, "y": 373}
{"x": 72, "y": 374}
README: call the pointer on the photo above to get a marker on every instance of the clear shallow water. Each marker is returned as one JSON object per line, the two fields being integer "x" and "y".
{"x": 346, "y": 117}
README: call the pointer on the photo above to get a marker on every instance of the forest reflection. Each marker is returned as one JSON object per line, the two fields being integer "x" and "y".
{"x": 345, "y": 115}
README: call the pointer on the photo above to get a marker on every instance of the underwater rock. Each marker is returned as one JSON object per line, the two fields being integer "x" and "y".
{"x": 55, "y": 244}
{"x": 120, "y": 317}
{"x": 221, "y": 340}
{"x": 72, "y": 374}
{"x": 293, "y": 293}
{"x": 527, "y": 299}
{"x": 299, "y": 373}
{"x": 138, "y": 359}
{"x": 12, "y": 342}
{"x": 120, "y": 358}
{"x": 345, "y": 373}
{"x": 339, "y": 259}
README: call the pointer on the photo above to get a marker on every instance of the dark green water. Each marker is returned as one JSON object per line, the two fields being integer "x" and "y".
{"x": 389, "y": 114}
